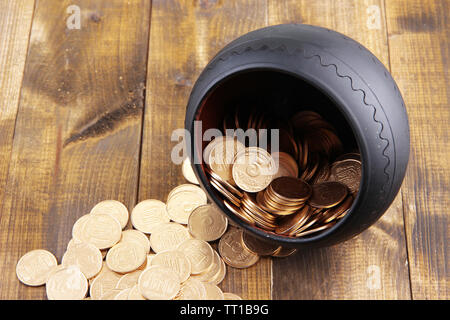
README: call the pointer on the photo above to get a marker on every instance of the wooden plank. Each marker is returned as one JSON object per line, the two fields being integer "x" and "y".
{"x": 78, "y": 127}
{"x": 15, "y": 28}
{"x": 418, "y": 40}
{"x": 373, "y": 265}
{"x": 184, "y": 37}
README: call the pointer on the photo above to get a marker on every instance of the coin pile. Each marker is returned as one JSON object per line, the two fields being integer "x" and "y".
{"x": 165, "y": 255}
{"x": 304, "y": 187}
{"x": 284, "y": 196}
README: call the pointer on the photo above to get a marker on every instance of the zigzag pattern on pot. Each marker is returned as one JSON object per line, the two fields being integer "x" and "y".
{"x": 367, "y": 104}
{"x": 282, "y": 47}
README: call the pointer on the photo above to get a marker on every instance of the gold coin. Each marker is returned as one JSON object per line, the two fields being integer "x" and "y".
{"x": 348, "y": 172}
{"x": 54, "y": 269}
{"x": 72, "y": 242}
{"x": 105, "y": 281}
{"x": 181, "y": 204}
{"x": 148, "y": 214}
{"x": 113, "y": 208}
{"x": 233, "y": 252}
{"x": 144, "y": 265}
{"x": 209, "y": 147}
{"x": 253, "y": 169}
{"x": 68, "y": 283}
{"x": 150, "y": 258}
{"x": 303, "y": 161}
{"x": 290, "y": 190}
{"x": 188, "y": 172}
{"x": 295, "y": 221}
{"x": 159, "y": 283}
{"x": 315, "y": 229}
{"x": 34, "y": 267}
{"x": 101, "y": 230}
{"x": 227, "y": 194}
{"x": 213, "y": 292}
{"x": 137, "y": 236}
{"x": 123, "y": 294}
{"x": 199, "y": 253}
{"x": 335, "y": 212}
{"x": 287, "y": 166}
{"x": 227, "y": 185}
{"x": 323, "y": 172}
{"x": 222, "y": 154}
{"x": 101, "y": 270}
{"x": 110, "y": 294}
{"x": 207, "y": 223}
{"x": 86, "y": 256}
{"x": 328, "y": 194}
{"x": 258, "y": 246}
{"x": 284, "y": 252}
{"x": 168, "y": 236}
{"x": 187, "y": 187}
{"x": 220, "y": 275}
{"x": 175, "y": 260}
{"x": 350, "y": 155}
{"x": 231, "y": 296}
{"x": 191, "y": 289}
{"x": 311, "y": 167}
{"x": 227, "y": 123}
{"x": 251, "y": 202}
{"x": 128, "y": 280}
{"x": 134, "y": 293}
{"x": 314, "y": 218}
{"x": 343, "y": 214}
{"x": 209, "y": 274}
{"x": 76, "y": 229}
{"x": 259, "y": 219}
{"x": 125, "y": 257}
{"x": 238, "y": 212}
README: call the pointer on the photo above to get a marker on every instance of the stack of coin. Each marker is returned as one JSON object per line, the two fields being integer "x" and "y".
{"x": 285, "y": 195}
{"x": 262, "y": 217}
{"x": 228, "y": 191}
{"x": 288, "y": 199}
{"x": 329, "y": 202}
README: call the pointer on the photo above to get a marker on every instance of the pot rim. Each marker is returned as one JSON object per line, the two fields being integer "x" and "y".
{"x": 324, "y": 89}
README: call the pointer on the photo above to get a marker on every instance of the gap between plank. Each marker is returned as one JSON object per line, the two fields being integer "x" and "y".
{"x": 144, "y": 99}
{"x": 401, "y": 189}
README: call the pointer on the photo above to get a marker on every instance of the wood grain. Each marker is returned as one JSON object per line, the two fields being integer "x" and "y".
{"x": 184, "y": 36}
{"x": 418, "y": 40}
{"x": 373, "y": 265}
{"x": 78, "y": 127}
{"x": 15, "y": 28}
{"x": 73, "y": 130}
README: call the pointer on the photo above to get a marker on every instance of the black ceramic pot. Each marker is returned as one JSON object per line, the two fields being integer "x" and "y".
{"x": 338, "y": 78}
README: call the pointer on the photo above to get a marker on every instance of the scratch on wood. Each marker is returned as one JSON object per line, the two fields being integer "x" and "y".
{"x": 95, "y": 17}
{"x": 422, "y": 22}
{"x": 109, "y": 120}
{"x": 207, "y": 4}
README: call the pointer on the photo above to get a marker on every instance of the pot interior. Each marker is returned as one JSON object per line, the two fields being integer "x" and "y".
{"x": 276, "y": 94}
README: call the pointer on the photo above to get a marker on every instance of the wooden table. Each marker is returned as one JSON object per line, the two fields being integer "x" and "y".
{"x": 86, "y": 114}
